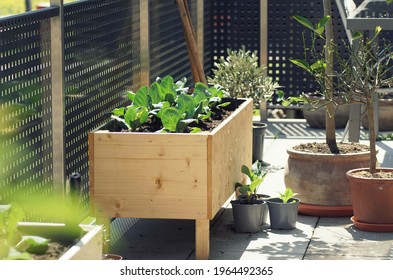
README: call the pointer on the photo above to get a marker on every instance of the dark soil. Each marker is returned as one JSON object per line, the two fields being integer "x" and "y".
{"x": 153, "y": 125}
{"x": 54, "y": 252}
{"x": 323, "y": 148}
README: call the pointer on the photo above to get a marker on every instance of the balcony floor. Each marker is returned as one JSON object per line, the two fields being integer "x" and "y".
{"x": 325, "y": 238}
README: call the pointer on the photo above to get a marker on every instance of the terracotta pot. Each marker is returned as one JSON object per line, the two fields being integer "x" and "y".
{"x": 320, "y": 180}
{"x": 372, "y": 200}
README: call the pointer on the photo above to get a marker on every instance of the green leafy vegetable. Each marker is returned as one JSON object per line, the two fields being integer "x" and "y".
{"x": 287, "y": 195}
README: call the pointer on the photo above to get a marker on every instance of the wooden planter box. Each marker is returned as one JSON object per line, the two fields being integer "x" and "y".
{"x": 89, "y": 247}
{"x": 170, "y": 175}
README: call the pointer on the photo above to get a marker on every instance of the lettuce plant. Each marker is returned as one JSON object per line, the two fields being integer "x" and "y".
{"x": 248, "y": 191}
{"x": 170, "y": 104}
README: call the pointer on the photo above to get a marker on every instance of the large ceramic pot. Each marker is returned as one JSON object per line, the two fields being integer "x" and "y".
{"x": 320, "y": 181}
{"x": 372, "y": 200}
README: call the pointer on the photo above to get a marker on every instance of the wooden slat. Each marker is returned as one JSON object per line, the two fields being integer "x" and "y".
{"x": 155, "y": 175}
{"x": 148, "y": 175}
{"x": 202, "y": 239}
{"x": 90, "y": 246}
{"x": 231, "y": 147}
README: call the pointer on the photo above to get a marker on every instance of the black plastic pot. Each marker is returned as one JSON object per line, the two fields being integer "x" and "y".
{"x": 248, "y": 218}
{"x": 283, "y": 215}
{"x": 258, "y": 137}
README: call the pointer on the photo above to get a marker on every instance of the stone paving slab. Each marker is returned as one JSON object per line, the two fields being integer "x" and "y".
{"x": 157, "y": 239}
{"x": 337, "y": 238}
{"x": 268, "y": 244}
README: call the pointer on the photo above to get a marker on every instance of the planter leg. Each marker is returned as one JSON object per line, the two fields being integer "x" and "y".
{"x": 106, "y": 223}
{"x": 202, "y": 237}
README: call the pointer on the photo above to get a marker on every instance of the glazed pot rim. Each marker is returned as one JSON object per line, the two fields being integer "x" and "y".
{"x": 350, "y": 172}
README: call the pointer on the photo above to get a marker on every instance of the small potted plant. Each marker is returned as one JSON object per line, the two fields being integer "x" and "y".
{"x": 283, "y": 210}
{"x": 241, "y": 75}
{"x": 371, "y": 187}
{"x": 249, "y": 208}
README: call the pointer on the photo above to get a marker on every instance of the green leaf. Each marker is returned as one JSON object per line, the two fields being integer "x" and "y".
{"x": 200, "y": 88}
{"x": 170, "y": 117}
{"x": 141, "y": 98}
{"x": 199, "y": 97}
{"x": 33, "y": 244}
{"x": 255, "y": 184}
{"x": 356, "y": 35}
{"x": 119, "y": 111}
{"x": 204, "y": 116}
{"x": 155, "y": 93}
{"x": 134, "y": 117}
{"x": 167, "y": 84}
{"x": 287, "y": 195}
{"x": 320, "y": 27}
{"x": 301, "y": 63}
{"x": 185, "y": 104}
{"x": 247, "y": 171}
{"x": 318, "y": 66}
{"x": 195, "y": 130}
{"x": 168, "y": 88}
{"x": 224, "y": 104}
{"x": 305, "y": 22}
{"x": 170, "y": 98}
{"x": 181, "y": 83}
{"x": 131, "y": 95}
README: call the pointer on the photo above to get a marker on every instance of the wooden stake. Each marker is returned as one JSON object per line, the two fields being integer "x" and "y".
{"x": 189, "y": 34}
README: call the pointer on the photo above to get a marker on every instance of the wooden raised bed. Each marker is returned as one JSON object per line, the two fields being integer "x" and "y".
{"x": 88, "y": 247}
{"x": 170, "y": 175}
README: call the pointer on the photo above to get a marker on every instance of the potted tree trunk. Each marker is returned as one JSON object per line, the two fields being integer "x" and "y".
{"x": 283, "y": 210}
{"x": 385, "y": 113}
{"x": 178, "y": 171}
{"x": 317, "y": 170}
{"x": 371, "y": 187}
{"x": 315, "y": 116}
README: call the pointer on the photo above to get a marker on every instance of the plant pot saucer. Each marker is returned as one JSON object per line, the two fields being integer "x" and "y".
{"x": 325, "y": 211}
{"x": 111, "y": 257}
{"x": 371, "y": 226}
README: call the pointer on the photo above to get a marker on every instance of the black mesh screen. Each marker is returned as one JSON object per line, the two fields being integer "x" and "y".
{"x": 168, "y": 50}
{"x": 25, "y": 111}
{"x": 285, "y": 41}
{"x": 207, "y": 30}
{"x": 102, "y": 62}
{"x": 234, "y": 23}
